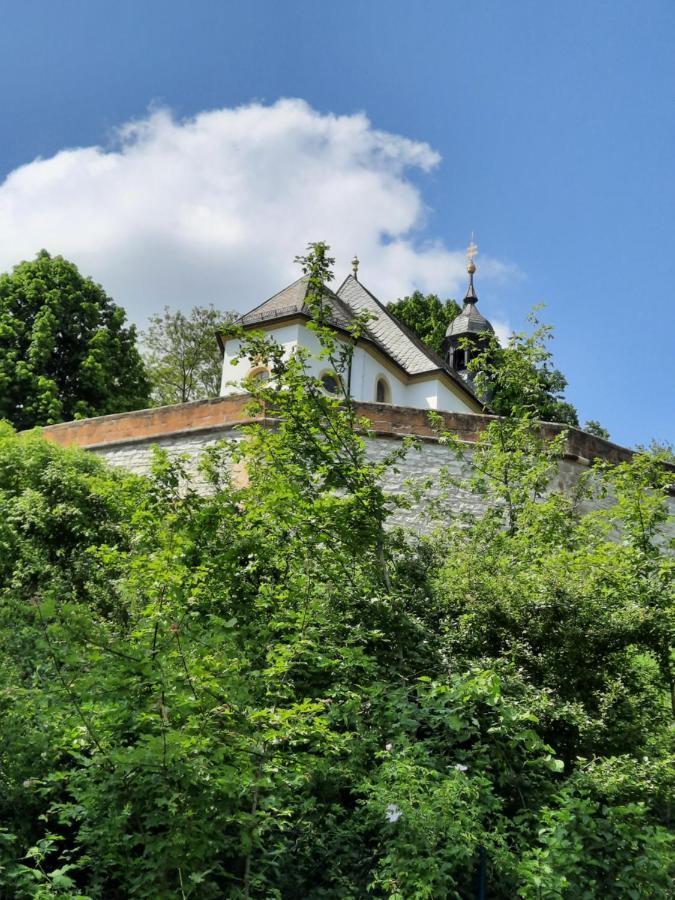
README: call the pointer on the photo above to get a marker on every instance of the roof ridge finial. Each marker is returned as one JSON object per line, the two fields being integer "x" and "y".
{"x": 471, "y": 253}
{"x": 355, "y": 267}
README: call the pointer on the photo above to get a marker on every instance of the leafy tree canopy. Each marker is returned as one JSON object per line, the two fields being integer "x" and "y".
{"x": 520, "y": 379}
{"x": 269, "y": 690}
{"x": 592, "y": 426}
{"x": 65, "y": 352}
{"x": 182, "y": 357}
{"x": 427, "y": 316}
{"x": 663, "y": 449}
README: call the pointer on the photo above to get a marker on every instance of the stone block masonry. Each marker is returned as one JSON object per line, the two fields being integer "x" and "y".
{"x": 127, "y": 439}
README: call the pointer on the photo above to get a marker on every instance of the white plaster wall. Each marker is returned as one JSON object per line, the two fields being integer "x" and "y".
{"x": 433, "y": 394}
{"x": 366, "y": 369}
{"x": 234, "y": 372}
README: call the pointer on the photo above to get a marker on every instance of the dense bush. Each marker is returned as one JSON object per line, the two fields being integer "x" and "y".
{"x": 264, "y": 692}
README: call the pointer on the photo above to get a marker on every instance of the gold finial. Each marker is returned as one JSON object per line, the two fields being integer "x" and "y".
{"x": 471, "y": 252}
{"x": 355, "y": 267}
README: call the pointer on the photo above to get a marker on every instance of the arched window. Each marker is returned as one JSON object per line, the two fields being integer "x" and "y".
{"x": 330, "y": 382}
{"x": 260, "y": 374}
{"x": 382, "y": 391}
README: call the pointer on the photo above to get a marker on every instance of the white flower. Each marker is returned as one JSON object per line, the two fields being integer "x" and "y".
{"x": 393, "y": 813}
{"x": 388, "y": 746}
{"x": 461, "y": 768}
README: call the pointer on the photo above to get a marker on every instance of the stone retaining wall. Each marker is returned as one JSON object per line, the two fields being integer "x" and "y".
{"x": 127, "y": 440}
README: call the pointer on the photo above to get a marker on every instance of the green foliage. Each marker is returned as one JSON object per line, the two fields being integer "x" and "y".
{"x": 664, "y": 450}
{"x": 182, "y": 358}
{"x": 526, "y": 356}
{"x": 592, "y": 426}
{"x": 427, "y": 316}
{"x": 266, "y": 690}
{"x": 571, "y": 856}
{"x": 519, "y": 379}
{"x": 65, "y": 352}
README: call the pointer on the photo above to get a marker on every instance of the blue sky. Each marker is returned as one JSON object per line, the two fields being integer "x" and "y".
{"x": 549, "y": 129}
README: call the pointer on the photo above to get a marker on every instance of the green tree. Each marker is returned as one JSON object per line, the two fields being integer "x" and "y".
{"x": 519, "y": 378}
{"x": 664, "y": 450}
{"x": 267, "y": 690}
{"x": 182, "y": 356}
{"x": 592, "y": 426}
{"x": 65, "y": 352}
{"x": 427, "y": 316}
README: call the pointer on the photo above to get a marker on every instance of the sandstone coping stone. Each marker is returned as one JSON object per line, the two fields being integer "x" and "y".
{"x": 222, "y": 413}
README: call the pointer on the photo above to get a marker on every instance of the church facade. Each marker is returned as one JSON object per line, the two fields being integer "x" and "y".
{"x": 389, "y": 364}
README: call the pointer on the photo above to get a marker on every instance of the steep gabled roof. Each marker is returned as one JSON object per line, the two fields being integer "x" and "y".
{"x": 292, "y": 300}
{"x": 400, "y": 343}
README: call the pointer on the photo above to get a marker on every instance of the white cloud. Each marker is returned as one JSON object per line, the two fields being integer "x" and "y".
{"x": 215, "y": 208}
{"x": 503, "y": 330}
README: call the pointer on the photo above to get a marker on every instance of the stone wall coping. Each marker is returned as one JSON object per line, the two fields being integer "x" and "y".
{"x": 170, "y": 435}
{"x": 201, "y": 417}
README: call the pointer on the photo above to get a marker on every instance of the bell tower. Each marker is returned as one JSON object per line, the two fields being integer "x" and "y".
{"x": 466, "y": 331}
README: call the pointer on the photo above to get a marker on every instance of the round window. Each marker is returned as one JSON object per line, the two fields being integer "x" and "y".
{"x": 330, "y": 383}
{"x": 260, "y": 375}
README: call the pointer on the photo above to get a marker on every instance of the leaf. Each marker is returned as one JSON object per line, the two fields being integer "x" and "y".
{"x": 48, "y": 608}
{"x": 199, "y": 877}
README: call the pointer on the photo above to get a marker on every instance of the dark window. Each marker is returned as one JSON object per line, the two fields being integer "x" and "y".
{"x": 460, "y": 359}
{"x": 382, "y": 391}
{"x": 330, "y": 382}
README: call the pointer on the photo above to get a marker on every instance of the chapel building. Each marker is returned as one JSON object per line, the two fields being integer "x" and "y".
{"x": 389, "y": 363}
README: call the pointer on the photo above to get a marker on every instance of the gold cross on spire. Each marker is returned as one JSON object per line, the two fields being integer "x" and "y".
{"x": 471, "y": 252}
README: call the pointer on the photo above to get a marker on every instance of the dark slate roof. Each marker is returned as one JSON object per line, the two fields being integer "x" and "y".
{"x": 469, "y": 321}
{"x": 293, "y": 299}
{"x": 404, "y": 348}
{"x": 398, "y": 341}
